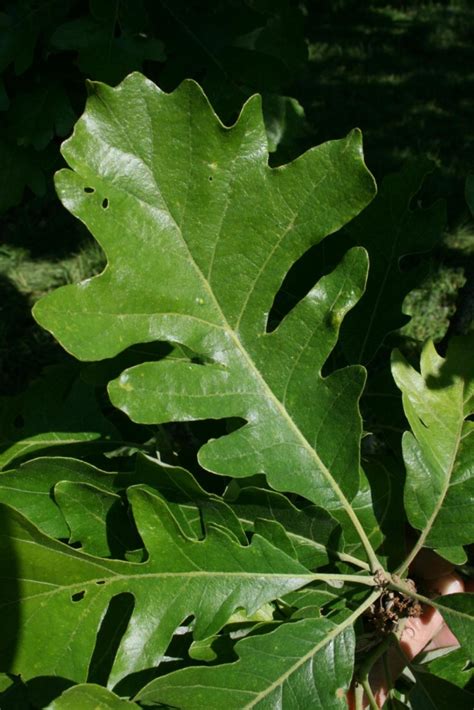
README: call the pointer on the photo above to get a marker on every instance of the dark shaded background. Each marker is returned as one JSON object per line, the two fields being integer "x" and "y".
{"x": 401, "y": 71}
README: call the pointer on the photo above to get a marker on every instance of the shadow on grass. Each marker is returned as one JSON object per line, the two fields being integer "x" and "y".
{"x": 405, "y": 77}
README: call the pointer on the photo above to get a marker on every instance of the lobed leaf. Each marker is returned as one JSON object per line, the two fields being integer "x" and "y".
{"x": 30, "y": 489}
{"x": 439, "y": 491}
{"x": 303, "y": 664}
{"x": 199, "y": 233}
{"x": 389, "y": 229}
{"x": 44, "y": 580}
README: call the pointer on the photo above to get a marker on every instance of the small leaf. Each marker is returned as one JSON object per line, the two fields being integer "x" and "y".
{"x": 89, "y": 695}
{"x": 305, "y": 664}
{"x": 439, "y": 491}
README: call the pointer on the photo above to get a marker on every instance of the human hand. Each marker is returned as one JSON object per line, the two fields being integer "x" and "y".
{"x": 426, "y": 632}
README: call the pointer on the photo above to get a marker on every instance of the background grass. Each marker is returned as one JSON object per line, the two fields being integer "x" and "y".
{"x": 401, "y": 71}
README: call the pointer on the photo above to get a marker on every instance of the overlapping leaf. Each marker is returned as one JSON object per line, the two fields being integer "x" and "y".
{"x": 57, "y": 410}
{"x": 30, "y": 489}
{"x": 305, "y": 664}
{"x": 439, "y": 491}
{"x": 89, "y": 695}
{"x": 45, "y": 580}
{"x": 199, "y": 233}
{"x": 390, "y": 229}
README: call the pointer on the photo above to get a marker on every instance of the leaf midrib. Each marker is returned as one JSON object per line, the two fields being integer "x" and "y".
{"x": 445, "y": 489}
{"x": 116, "y": 579}
{"x": 251, "y": 365}
{"x": 304, "y": 659}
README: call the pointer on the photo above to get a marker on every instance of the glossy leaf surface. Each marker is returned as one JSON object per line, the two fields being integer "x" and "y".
{"x": 199, "y": 233}
{"x": 89, "y": 695}
{"x": 439, "y": 492}
{"x": 181, "y": 577}
{"x": 458, "y": 612}
{"x": 305, "y": 664}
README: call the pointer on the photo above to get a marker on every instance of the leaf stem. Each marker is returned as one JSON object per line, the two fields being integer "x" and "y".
{"x": 356, "y": 578}
{"x": 366, "y": 667}
{"x": 370, "y": 696}
{"x": 359, "y": 697}
{"x": 411, "y": 556}
{"x": 351, "y": 560}
{"x": 369, "y": 550}
{"x": 350, "y": 512}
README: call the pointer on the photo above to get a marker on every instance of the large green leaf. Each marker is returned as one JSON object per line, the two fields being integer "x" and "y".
{"x": 304, "y": 664}
{"x": 454, "y": 667}
{"x": 439, "y": 491}
{"x": 199, "y": 233}
{"x": 53, "y": 597}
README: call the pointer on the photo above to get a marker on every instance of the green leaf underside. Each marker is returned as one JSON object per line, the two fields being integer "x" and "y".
{"x": 44, "y": 579}
{"x": 304, "y": 664}
{"x": 439, "y": 491}
{"x": 199, "y": 233}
